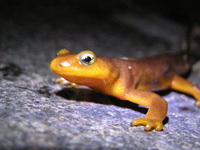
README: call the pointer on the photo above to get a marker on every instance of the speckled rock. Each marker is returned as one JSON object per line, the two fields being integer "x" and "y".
{"x": 35, "y": 113}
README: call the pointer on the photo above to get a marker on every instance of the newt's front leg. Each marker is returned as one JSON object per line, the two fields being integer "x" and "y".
{"x": 157, "y": 108}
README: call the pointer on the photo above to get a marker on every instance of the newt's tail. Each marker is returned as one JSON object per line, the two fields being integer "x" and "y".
{"x": 192, "y": 44}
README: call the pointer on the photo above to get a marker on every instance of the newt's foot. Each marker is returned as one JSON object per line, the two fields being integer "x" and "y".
{"x": 198, "y": 104}
{"x": 197, "y": 95}
{"x": 148, "y": 123}
{"x": 63, "y": 82}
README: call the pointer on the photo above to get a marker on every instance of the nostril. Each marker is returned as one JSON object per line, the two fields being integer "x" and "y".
{"x": 59, "y": 65}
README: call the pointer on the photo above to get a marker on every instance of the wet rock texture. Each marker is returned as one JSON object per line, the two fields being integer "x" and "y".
{"x": 35, "y": 113}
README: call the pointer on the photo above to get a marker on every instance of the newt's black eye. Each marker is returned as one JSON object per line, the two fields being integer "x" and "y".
{"x": 87, "y": 59}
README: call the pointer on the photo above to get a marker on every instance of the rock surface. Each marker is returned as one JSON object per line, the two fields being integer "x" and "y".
{"x": 35, "y": 113}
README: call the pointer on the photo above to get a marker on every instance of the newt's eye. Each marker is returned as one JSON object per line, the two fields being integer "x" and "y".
{"x": 87, "y": 58}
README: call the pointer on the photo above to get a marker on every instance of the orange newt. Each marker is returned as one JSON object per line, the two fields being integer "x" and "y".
{"x": 131, "y": 80}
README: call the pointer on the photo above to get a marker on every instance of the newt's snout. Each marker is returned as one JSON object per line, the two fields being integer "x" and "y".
{"x": 54, "y": 65}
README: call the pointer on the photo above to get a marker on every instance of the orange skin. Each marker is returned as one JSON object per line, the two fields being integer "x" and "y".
{"x": 131, "y": 80}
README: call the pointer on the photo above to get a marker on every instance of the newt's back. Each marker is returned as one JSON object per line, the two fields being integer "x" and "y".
{"x": 152, "y": 73}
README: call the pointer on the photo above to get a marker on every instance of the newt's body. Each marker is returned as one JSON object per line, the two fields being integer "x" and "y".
{"x": 131, "y": 80}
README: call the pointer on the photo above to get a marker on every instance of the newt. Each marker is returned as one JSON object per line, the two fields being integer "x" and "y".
{"x": 131, "y": 80}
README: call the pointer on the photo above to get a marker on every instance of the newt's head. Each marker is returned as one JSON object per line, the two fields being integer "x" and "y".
{"x": 83, "y": 68}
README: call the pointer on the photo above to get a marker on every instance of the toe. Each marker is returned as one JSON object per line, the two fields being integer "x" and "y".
{"x": 148, "y": 123}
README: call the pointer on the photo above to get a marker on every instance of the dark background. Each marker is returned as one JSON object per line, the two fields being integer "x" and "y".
{"x": 179, "y": 10}
{"x": 186, "y": 12}
{"x": 71, "y": 17}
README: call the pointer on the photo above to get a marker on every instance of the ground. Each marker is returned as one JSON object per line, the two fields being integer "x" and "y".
{"x": 36, "y": 113}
